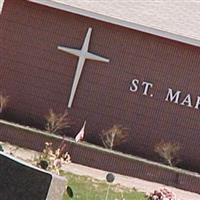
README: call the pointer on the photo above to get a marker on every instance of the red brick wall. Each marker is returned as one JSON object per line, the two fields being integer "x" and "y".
{"x": 38, "y": 77}
{"x": 98, "y": 158}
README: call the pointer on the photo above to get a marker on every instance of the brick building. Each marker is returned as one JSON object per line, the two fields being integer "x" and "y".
{"x": 148, "y": 80}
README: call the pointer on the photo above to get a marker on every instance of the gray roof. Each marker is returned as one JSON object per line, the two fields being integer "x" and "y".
{"x": 176, "y": 17}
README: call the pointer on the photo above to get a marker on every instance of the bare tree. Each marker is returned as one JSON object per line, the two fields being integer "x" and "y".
{"x": 3, "y": 102}
{"x": 168, "y": 151}
{"x": 114, "y": 136}
{"x": 57, "y": 122}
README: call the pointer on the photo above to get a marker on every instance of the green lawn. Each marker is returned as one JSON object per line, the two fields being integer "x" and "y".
{"x": 86, "y": 188}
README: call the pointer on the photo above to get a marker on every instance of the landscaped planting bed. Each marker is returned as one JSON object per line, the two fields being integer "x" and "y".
{"x": 98, "y": 157}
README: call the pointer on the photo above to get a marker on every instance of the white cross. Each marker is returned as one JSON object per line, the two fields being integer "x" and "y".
{"x": 83, "y": 54}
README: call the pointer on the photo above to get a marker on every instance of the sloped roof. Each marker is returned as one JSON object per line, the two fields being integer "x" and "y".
{"x": 175, "y": 19}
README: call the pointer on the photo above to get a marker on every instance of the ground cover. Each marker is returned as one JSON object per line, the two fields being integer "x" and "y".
{"x": 87, "y": 188}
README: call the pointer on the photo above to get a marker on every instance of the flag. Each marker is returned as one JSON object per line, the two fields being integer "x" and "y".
{"x": 81, "y": 133}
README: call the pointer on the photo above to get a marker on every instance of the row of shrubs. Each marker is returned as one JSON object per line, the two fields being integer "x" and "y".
{"x": 111, "y": 138}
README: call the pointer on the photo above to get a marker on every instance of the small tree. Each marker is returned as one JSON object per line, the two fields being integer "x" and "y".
{"x": 53, "y": 160}
{"x": 168, "y": 151}
{"x": 3, "y": 102}
{"x": 114, "y": 136}
{"x": 57, "y": 122}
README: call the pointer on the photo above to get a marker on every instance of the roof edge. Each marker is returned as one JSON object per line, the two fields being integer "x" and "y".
{"x": 112, "y": 20}
{"x": 1, "y": 5}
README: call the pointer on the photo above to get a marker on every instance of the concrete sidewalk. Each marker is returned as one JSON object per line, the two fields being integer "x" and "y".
{"x": 130, "y": 182}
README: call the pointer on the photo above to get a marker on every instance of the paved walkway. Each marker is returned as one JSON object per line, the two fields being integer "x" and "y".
{"x": 130, "y": 182}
